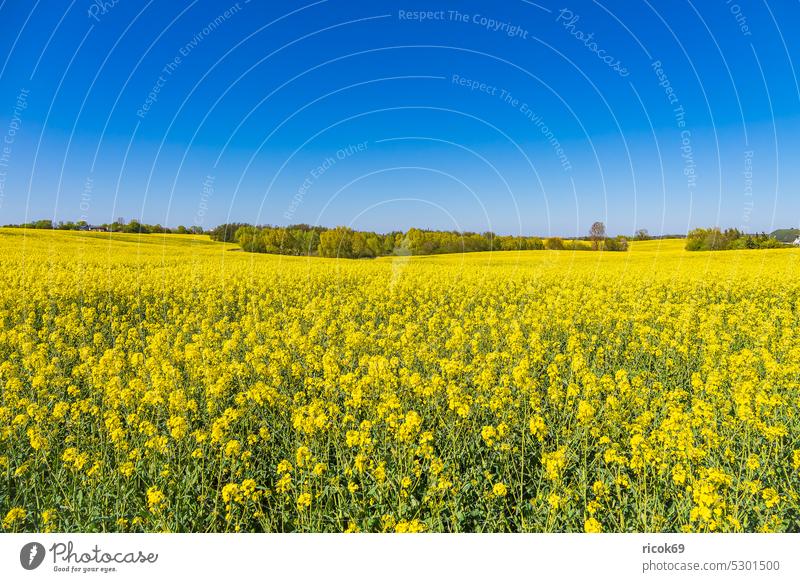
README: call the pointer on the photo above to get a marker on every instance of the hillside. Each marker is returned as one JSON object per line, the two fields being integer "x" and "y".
{"x": 786, "y": 235}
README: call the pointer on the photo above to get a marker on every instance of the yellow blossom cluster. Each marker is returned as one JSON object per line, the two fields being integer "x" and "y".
{"x": 170, "y": 383}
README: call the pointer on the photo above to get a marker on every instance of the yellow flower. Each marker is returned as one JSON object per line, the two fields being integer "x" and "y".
{"x": 303, "y": 456}
{"x": 599, "y": 489}
{"x": 410, "y": 427}
{"x": 37, "y": 440}
{"x": 489, "y": 434}
{"x": 537, "y": 427}
{"x": 413, "y": 526}
{"x": 771, "y": 497}
{"x": 284, "y": 483}
{"x": 155, "y": 499}
{"x": 69, "y": 454}
{"x": 585, "y": 412}
{"x": 679, "y": 474}
{"x": 49, "y": 516}
{"x": 499, "y": 490}
{"x": 591, "y": 525}
{"x": 554, "y": 463}
{"x": 249, "y": 488}
{"x": 178, "y": 427}
{"x": 232, "y": 448}
{"x": 14, "y": 517}
{"x": 230, "y": 492}
{"x": 95, "y": 469}
{"x": 303, "y": 501}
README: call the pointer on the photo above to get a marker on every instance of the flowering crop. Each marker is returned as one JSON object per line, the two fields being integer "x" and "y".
{"x": 173, "y": 384}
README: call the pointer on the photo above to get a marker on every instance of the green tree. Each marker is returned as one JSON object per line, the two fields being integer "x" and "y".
{"x": 597, "y": 233}
{"x": 337, "y": 242}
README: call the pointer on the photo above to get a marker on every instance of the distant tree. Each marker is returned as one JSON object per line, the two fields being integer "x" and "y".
{"x": 250, "y": 240}
{"x": 579, "y": 245}
{"x": 617, "y": 244}
{"x": 554, "y": 244}
{"x": 337, "y": 242}
{"x": 40, "y": 224}
{"x": 642, "y": 234}
{"x": 596, "y": 234}
{"x": 226, "y": 232}
{"x": 136, "y": 227}
{"x": 374, "y": 245}
{"x": 508, "y": 243}
{"x": 714, "y": 239}
{"x": 359, "y": 245}
{"x": 534, "y": 244}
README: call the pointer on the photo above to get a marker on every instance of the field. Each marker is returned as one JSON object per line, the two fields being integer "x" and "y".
{"x": 168, "y": 383}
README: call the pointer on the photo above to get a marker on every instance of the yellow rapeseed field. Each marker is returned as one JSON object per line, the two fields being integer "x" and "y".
{"x": 168, "y": 383}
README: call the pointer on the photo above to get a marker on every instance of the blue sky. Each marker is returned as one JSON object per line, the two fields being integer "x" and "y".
{"x": 514, "y": 117}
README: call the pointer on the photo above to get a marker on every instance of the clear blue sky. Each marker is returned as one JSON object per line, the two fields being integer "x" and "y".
{"x": 512, "y": 116}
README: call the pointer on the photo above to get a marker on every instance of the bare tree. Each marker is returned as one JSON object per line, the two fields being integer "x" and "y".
{"x": 596, "y": 234}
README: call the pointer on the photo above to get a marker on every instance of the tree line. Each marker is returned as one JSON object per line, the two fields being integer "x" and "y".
{"x": 344, "y": 242}
{"x": 714, "y": 239}
{"x": 119, "y": 225}
{"x": 302, "y": 239}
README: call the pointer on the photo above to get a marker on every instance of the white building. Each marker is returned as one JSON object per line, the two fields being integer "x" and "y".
{"x": 797, "y": 242}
